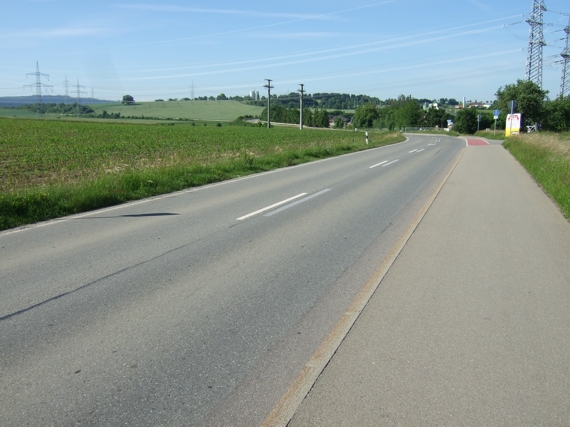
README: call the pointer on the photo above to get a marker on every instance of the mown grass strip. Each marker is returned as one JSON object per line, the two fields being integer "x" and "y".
{"x": 546, "y": 157}
{"x": 52, "y": 169}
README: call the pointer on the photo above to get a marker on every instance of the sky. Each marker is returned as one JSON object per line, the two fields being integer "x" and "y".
{"x": 174, "y": 49}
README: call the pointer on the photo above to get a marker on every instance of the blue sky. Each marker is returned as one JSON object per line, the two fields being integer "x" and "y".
{"x": 158, "y": 49}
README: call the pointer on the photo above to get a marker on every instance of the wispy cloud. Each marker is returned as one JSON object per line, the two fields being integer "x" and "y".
{"x": 183, "y": 9}
{"x": 53, "y": 33}
{"x": 482, "y": 6}
{"x": 294, "y": 36}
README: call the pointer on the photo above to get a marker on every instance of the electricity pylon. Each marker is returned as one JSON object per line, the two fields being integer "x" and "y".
{"x": 565, "y": 86}
{"x": 535, "y": 43}
{"x": 38, "y": 84}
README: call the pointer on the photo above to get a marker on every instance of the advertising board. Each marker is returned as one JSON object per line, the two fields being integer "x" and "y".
{"x": 513, "y": 125}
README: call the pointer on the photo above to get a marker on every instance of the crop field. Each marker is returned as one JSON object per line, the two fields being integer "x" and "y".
{"x": 54, "y": 168}
{"x": 197, "y": 110}
{"x": 10, "y": 112}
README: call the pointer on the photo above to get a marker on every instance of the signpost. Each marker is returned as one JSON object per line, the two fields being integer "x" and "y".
{"x": 509, "y": 127}
{"x": 496, "y": 115}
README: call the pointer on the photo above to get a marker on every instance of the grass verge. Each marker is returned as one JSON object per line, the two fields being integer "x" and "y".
{"x": 546, "y": 156}
{"x": 498, "y": 135}
{"x": 52, "y": 169}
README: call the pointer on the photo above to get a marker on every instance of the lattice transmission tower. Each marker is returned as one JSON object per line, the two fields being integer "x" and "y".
{"x": 535, "y": 43}
{"x": 78, "y": 99}
{"x": 39, "y": 85}
{"x": 565, "y": 86}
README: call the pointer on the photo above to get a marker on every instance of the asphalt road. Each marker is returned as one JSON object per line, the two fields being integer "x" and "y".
{"x": 199, "y": 307}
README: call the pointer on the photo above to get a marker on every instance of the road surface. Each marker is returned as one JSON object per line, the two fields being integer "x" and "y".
{"x": 199, "y": 307}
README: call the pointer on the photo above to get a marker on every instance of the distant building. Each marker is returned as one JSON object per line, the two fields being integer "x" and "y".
{"x": 478, "y": 105}
{"x": 428, "y": 105}
{"x": 254, "y": 95}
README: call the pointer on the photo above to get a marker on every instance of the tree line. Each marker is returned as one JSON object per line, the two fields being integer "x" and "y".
{"x": 318, "y": 117}
{"x": 538, "y": 112}
{"x": 53, "y": 108}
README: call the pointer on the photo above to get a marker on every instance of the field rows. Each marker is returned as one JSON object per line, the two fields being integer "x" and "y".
{"x": 48, "y": 152}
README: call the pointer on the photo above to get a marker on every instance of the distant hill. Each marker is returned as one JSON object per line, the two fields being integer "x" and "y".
{"x": 16, "y": 101}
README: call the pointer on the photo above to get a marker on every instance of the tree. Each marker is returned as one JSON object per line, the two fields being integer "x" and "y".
{"x": 386, "y": 118}
{"x": 434, "y": 117}
{"x": 557, "y": 115}
{"x": 321, "y": 118}
{"x": 407, "y": 114}
{"x": 339, "y": 123}
{"x": 466, "y": 121}
{"x": 128, "y": 100}
{"x": 529, "y": 98}
{"x": 365, "y": 116}
{"x": 221, "y": 97}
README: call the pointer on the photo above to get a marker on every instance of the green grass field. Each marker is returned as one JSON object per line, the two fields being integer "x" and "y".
{"x": 196, "y": 110}
{"x": 53, "y": 168}
{"x": 546, "y": 156}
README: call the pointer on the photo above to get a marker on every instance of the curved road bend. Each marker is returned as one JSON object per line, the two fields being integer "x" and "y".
{"x": 199, "y": 307}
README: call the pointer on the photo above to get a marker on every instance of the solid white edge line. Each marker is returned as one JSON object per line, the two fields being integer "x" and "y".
{"x": 378, "y": 164}
{"x": 271, "y": 207}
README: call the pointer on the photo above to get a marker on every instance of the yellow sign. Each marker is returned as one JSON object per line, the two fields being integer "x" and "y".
{"x": 513, "y": 126}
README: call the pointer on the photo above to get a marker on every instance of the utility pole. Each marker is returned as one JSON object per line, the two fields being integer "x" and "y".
{"x": 79, "y": 92}
{"x": 192, "y": 91}
{"x": 565, "y": 86}
{"x": 301, "y": 109}
{"x": 269, "y": 87}
{"x": 535, "y": 43}
{"x": 39, "y": 85}
{"x": 92, "y": 97}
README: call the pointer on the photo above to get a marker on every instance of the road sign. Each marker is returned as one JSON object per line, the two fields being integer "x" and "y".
{"x": 496, "y": 114}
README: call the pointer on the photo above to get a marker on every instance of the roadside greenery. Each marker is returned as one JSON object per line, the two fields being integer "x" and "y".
{"x": 56, "y": 168}
{"x": 400, "y": 113}
{"x": 546, "y": 156}
{"x": 318, "y": 118}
